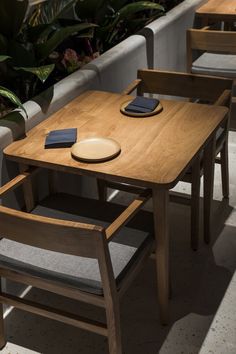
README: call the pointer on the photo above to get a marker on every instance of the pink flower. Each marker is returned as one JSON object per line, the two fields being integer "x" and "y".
{"x": 70, "y": 55}
{"x": 96, "y": 55}
{"x": 71, "y": 60}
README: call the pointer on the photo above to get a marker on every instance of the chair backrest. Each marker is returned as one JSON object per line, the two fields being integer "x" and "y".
{"x": 52, "y": 234}
{"x": 73, "y": 238}
{"x": 186, "y": 85}
{"x": 209, "y": 41}
{"x": 65, "y": 236}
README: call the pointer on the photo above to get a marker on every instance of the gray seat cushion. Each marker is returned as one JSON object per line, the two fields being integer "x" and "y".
{"x": 75, "y": 271}
{"x": 215, "y": 64}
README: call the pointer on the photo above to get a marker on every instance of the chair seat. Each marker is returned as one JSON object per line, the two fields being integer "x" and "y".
{"x": 215, "y": 64}
{"x": 82, "y": 273}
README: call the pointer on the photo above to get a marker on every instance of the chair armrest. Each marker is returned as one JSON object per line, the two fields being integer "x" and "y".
{"x": 127, "y": 214}
{"x": 224, "y": 99}
{"x": 131, "y": 87}
{"x": 18, "y": 180}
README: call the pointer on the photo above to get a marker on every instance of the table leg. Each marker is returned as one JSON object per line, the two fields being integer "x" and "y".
{"x": 102, "y": 189}
{"x": 160, "y": 210}
{"x": 206, "y": 21}
{"x": 195, "y": 203}
{"x": 53, "y": 181}
{"x": 28, "y": 190}
{"x": 208, "y": 166}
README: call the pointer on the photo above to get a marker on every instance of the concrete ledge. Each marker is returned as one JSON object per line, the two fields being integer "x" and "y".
{"x": 116, "y": 68}
{"x": 166, "y": 36}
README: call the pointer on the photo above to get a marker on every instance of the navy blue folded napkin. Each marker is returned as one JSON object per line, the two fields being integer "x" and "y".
{"x": 142, "y": 105}
{"x": 61, "y": 138}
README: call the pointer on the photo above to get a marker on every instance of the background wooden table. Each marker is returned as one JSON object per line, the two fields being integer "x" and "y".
{"x": 219, "y": 10}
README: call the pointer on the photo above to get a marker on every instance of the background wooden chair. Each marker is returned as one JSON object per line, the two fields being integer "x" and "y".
{"x": 211, "y": 52}
{"x": 198, "y": 88}
{"x": 75, "y": 247}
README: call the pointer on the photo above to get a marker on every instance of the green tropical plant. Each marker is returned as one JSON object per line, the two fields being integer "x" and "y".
{"x": 27, "y": 41}
{"x": 6, "y": 93}
{"x": 11, "y": 96}
{"x": 169, "y": 4}
{"x": 116, "y": 19}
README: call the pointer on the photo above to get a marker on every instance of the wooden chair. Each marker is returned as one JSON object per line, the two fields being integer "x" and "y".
{"x": 216, "y": 51}
{"x": 199, "y": 88}
{"x": 211, "y": 52}
{"x": 75, "y": 247}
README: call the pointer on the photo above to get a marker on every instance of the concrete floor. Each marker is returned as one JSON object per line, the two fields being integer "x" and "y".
{"x": 199, "y": 281}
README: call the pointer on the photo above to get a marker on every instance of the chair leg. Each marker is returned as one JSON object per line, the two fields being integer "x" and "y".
{"x": 52, "y": 181}
{"x": 2, "y": 334}
{"x": 225, "y": 170}
{"x": 153, "y": 256}
{"x": 195, "y": 204}
{"x": 102, "y": 190}
{"x": 209, "y": 165}
{"x": 113, "y": 326}
{"x": 28, "y": 190}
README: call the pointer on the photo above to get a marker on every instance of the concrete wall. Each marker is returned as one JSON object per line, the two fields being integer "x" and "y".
{"x": 166, "y": 37}
{"x": 116, "y": 68}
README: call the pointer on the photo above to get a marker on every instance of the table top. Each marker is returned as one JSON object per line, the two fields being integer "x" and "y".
{"x": 226, "y": 8}
{"x": 154, "y": 150}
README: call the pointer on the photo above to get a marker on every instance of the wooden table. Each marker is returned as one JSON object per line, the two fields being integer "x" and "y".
{"x": 219, "y": 10}
{"x": 156, "y": 152}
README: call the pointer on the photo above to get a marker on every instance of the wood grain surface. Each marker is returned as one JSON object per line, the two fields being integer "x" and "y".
{"x": 154, "y": 151}
{"x": 218, "y": 8}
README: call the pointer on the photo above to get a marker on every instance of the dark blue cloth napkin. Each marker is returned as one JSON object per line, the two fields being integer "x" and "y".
{"x": 61, "y": 138}
{"x": 142, "y": 105}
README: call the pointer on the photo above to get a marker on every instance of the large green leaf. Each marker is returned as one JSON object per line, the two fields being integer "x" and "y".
{"x": 4, "y": 57}
{"x": 92, "y": 9}
{"x": 131, "y": 9}
{"x": 118, "y": 4}
{"x": 49, "y": 11}
{"x": 39, "y": 33}
{"x": 87, "y": 34}
{"x": 125, "y": 14}
{"x": 3, "y": 44}
{"x": 12, "y": 97}
{"x": 42, "y": 72}
{"x": 12, "y": 15}
{"x": 22, "y": 53}
{"x": 44, "y": 49}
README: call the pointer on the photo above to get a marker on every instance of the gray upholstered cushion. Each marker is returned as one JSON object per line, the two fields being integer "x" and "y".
{"x": 215, "y": 64}
{"x": 76, "y": 271}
